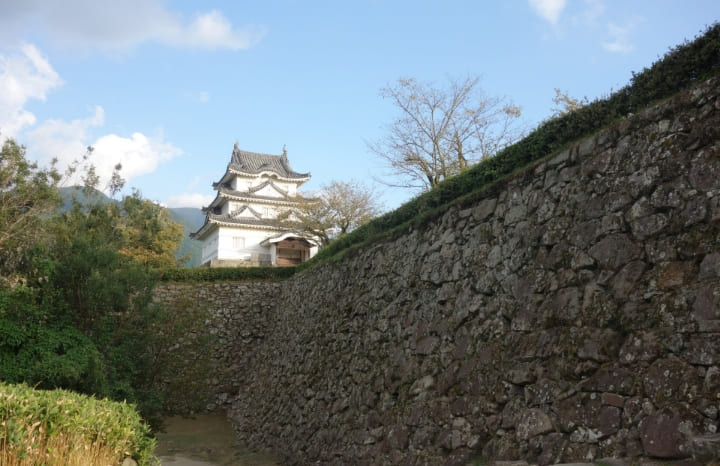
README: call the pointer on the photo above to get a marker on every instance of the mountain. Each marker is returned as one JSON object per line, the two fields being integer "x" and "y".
{"x": 77, "y": 193}
{"x": 190, "y": 218}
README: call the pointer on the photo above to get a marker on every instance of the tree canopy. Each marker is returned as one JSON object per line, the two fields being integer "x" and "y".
{"x": 27, "y": 195}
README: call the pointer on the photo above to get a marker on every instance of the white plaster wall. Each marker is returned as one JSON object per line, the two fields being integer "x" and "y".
{"x": 209, "y": 247}
{"x": 226, "y": 249}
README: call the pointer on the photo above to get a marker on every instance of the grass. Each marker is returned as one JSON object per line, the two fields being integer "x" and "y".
{"x": 58, "y": 427}
{"x": 62, "y": 449}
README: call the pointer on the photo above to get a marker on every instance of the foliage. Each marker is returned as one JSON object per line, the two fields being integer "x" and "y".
{"x": 27, "y": 194}
{"x": 103, "y": 260}
{"x": 566, "y": 104}
{"x": 338, "y": 208}
{"x": 61, "y": 427}
{"x": 681, "y": 67}
{"x": 440, "y": 132}
{"x": 83, "y": 318}
{"x": 34, "y": 347}
{"x": 150, "y": 234}
{"x": 207, "y": 274}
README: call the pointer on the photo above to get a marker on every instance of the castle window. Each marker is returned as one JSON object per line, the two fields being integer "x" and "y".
{"x": 238, "y": 242}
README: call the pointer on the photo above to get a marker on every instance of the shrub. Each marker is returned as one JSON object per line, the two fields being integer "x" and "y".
{"x": 61, "y": 427}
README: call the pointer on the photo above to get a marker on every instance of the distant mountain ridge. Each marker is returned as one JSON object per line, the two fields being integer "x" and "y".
{"x": 191, "y": 218}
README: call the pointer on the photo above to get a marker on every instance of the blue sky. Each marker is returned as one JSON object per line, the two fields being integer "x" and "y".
{"x": 167, "y": 87}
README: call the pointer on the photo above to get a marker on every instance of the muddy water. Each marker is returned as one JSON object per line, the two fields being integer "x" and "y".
{"x": 205, "y": 440}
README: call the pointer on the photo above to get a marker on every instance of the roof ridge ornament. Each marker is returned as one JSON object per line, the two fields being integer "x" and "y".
{"x": 284, "y": 154}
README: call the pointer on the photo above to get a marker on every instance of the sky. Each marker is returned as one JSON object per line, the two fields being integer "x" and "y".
{"x": 166, "y": 88}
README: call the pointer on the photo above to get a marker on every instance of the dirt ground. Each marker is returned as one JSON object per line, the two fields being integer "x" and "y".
{"x": 205, "y": 440}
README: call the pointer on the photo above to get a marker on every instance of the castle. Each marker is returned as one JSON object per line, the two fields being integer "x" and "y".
{"x": 240, "y": 227}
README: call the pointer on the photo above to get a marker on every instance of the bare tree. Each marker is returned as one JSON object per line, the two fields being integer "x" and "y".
{"x": 566, "y": 104}
{"x": 440, "y": 131}
{"x": 338, "y": 208}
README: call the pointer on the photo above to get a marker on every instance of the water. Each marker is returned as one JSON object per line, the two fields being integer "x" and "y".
{"x": 205, "y": 440}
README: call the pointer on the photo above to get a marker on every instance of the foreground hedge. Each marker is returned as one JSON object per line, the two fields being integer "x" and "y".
{"x": 35, "y": 423}
{"x": 679, "y": 69}
{"x": 208, "y": 274}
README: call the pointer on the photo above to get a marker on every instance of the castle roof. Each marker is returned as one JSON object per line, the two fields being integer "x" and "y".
{"x": 234, "y": 221}
{"x": 253, "y": 163}
{"x": 225, "y": 193}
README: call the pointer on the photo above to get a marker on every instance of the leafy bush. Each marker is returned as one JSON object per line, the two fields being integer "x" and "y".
{"x": 53, "y": 427}
{"x": 80, "y": 314}
{"x": 681, "y": 67}
{"x": 38, "y": 349}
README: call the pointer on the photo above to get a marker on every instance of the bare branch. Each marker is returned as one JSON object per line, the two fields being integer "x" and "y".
{"x": 439, "y": 132}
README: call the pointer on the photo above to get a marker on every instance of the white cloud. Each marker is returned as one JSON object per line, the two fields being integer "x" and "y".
{"x": 29, "y": 75}
{"x": 62, "y": 140}
{"x": 549, "y": 10}
{"x": 620, "y": 38}
{"x": 138, "y": 155}
{"x": 68, "y": 141}
{"x": 113, "y": 25}
{"x": 23, "y": 77}
{"x": 212, "y": 30}
{"x": 190, "y": 200}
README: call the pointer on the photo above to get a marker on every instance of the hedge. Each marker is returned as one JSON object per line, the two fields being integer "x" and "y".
{"x": 212, "y": 274}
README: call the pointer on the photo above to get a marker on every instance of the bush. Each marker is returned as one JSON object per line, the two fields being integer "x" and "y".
{"x": 61, "y": 427}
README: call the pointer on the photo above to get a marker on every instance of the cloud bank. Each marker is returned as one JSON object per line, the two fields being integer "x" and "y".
{"x": 113, "y": 25}
{"x": 23, "y": 76}
{"x": 27, "y": 76}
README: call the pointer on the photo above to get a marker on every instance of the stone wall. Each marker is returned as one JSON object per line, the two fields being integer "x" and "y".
{"x": 239, "y": 315}
{"x": 572, "y": 314}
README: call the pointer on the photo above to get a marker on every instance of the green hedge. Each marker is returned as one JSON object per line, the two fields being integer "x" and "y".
{"x": 26, "y": 414}
{"x": 680, "y": 68}
{"x": 208, "y": 274}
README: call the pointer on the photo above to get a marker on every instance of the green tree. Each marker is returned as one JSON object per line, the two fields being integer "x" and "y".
{"x": 150, "y": 235}
{"x": 80, "y": 315}
{"x": 440, "y": 131}
{"x": 27, "y": 195}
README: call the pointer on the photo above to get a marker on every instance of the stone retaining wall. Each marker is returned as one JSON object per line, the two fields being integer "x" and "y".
{"x": 239, "y": 316}
{"x": 572, "y": 315}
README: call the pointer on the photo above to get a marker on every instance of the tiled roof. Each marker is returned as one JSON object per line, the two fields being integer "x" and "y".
{"x": 251, "y": 197}
{"x": 253, "y": 163}
{"x": 268, "y": 183}
{"x": 226, "y": 219}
